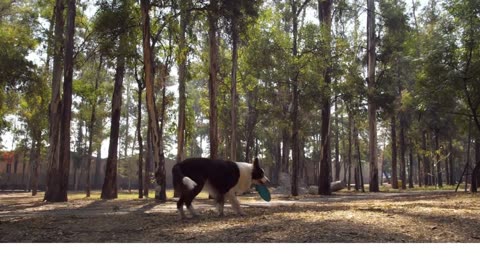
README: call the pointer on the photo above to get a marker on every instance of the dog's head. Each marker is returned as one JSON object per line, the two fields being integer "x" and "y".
{"x": 258, "y": 174}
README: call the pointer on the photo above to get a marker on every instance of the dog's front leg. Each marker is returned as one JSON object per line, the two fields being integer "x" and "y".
{"x": 235, "y": 203}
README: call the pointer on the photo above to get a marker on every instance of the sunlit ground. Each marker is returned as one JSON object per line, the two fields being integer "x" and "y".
{"x": 346, "y": 216}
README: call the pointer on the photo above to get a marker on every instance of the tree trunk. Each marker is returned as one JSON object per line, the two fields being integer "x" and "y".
{"x": 403, "y": 169}
{"x": 34, "y": 162}
{"x": 59, "y": 192}
{"x": 278, "y": 163}
{"x": 394, "y": 152}
{"x": 182, "y": 78}
{"x": 295, "y": 104}
{"x": 439, "y": 164}
{"x": 212, "y": 79}
{"x": 98, "y": 166}
{"x": 325, "y": 17}
{"x": 434, "y": 159}
{"x": 382, "y": 160}
{"x": 426, "y": 161}
{"x": 410, "y": 170}
{"x": 349, "y": 155}
{"x": 24, "y": 167}
{"x": 372, "y": 109}
{"x": 447, "y": 171}
{"x": 475, "y": 178}
{"x": 90, "y": 140}
{"x": 148, "y": 60}
{"x": 337, "y": 144}
{"x": 324, "y": 177}
{"x": 233, "y": 138}
{"x": 451, "y": 160}
{"x": 139, "y": 135}
{"x": 109, "y": 189}
{"x": 285, "y": 150}
{"x": 53, "y": 185}
{"x": 420, "y": 172}
{"x": 362, "y": 186}
{"x": 64, "y": 156}
{"x": 477, "y": 149}
{"x": 127, "y": 118}
{"x": 344, "y": 154}
{"x": 91, "y": 131}
{"x": 162, "y": 178}
{"x": 356, "y": 156}
{"x": 148, "y": 162}
{"x": 476, "y": 170}
{"x": 251, "y": 121}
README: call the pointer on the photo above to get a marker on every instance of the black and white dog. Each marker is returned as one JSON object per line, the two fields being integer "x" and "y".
{"x": 222, "y": 179}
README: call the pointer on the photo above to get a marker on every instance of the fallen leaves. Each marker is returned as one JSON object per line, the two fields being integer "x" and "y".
{"x": 419, "y": 217}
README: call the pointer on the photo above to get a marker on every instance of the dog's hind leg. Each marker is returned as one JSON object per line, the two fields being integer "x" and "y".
{"x": 220, "y": 200}
{"x": 235, "y": 203}
{"x": 180, "y": 207}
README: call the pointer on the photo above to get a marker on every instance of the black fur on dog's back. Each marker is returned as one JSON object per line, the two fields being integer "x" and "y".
{"x": 223, "y": 174}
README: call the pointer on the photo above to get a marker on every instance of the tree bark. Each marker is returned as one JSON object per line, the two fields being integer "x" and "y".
{"x": 148, "y": 162}
{"x": 91, "y": 128}
{"x": 251, "y": 121}
{"x": 325, "y": 17}
{"x": 162, "y": 178}
{"x": 362, "y": 186}
{"x": 403, "y": 169}
{"x": 35, "y": 160}
{"x": 109, "y": 189}
{"x": 139, "y": 135}
{"x": 295, "y": 104}
{"x": 420, "y": 172}
{"x": 212, "y": 79}
{"x": 337, "y": 144}
{"x": 447, "y": 171}
{"x": 90, "y": 142}
{"x": 182, "y": 78}
{"x": 285, "y": 150}
{"x": 53, "y": 186}
{"x": 349, "y": 155}
{"x": 278, "y": 163}
{"x": 394, "y": 152}
{"x": 426, "y": 161}
{"x": 475, "y": 178}
{"x": 439, "y": 164}
{"x": 410, "y": 170}
{"x": 64, "y": 156}
{"x": 148, "y": 60}
{"x": 372, "y": 108}
{"x": 233, "y": 93}
{"x": 60, "y": 183}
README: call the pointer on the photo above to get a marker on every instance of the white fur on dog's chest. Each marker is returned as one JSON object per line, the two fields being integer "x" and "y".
{"x": 245, "y": 180}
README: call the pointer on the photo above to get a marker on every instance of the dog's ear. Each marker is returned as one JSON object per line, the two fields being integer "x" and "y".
{"x": 255, "y": 163}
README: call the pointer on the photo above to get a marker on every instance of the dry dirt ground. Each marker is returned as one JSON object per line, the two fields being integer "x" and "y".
{"x": 344, "y": 217}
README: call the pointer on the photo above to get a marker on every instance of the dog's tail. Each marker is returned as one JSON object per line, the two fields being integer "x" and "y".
{"x": 180, "y": 181}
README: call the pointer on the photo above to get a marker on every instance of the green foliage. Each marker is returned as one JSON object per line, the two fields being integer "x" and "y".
{"x": 17, "y": 24}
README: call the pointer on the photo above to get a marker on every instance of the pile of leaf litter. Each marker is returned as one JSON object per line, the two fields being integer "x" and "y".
{"x": 344, "y": 217}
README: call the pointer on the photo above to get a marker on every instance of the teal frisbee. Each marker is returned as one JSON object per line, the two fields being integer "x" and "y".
{"x": 264, "y": 192}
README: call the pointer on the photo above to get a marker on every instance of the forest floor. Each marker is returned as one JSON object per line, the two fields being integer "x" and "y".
{"x": 345, "y": 217}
